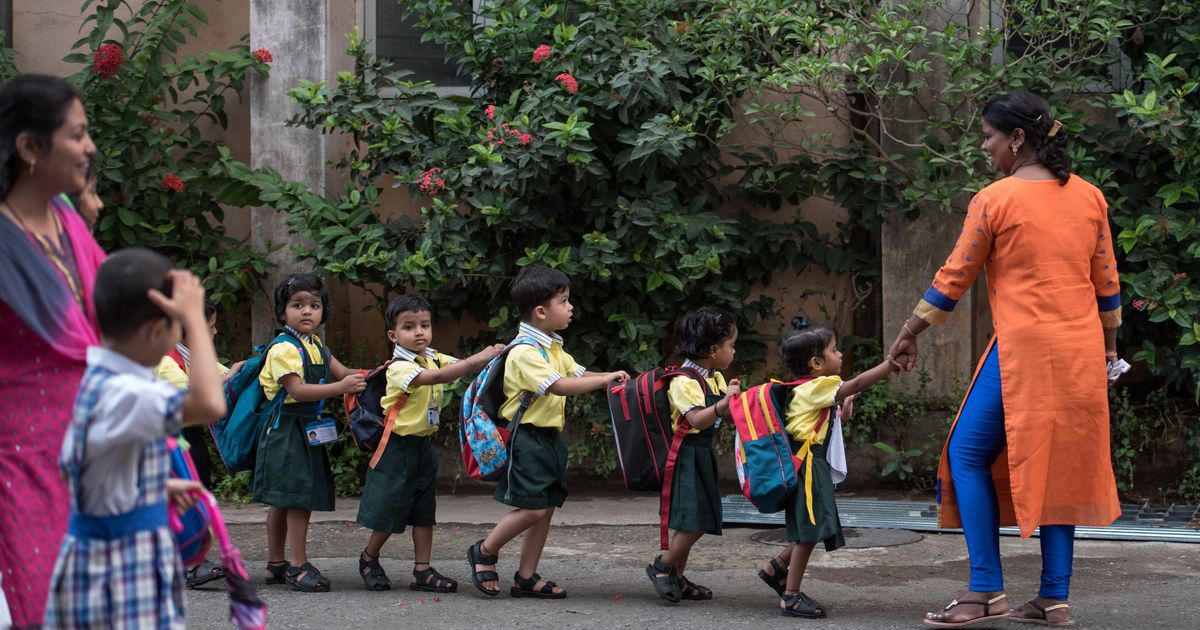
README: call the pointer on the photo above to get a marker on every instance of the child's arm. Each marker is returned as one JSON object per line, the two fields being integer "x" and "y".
{"x": 337, "y": 370}
{"x": 204, "y": 403}
{"x": 702, "y": 418}
{"x": 866, "y": 379}
{"x": 590, "y": 381}
{"x": 312, "y": 392}
{"x": 233, "y": 370}
{"x": 458, "y": 369}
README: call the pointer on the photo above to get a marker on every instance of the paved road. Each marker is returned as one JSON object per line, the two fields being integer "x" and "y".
{"x": 1117, "y": 585}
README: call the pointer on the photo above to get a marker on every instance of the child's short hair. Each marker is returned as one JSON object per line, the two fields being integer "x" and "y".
{"x": 407, "y": 303}
{"x": 210, "y": 309}
{"x": 700, "y": 330}
{"x": 119, "y": 293}
{"x": 296, "y": 283}
{"x": 804, "y": 342}
{"x": 535, "y": 285}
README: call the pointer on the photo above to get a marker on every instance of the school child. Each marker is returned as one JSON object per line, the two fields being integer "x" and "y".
{"x": 536, "y": 482}
{"x": 118, "y": 565}
{"x": 174, "y": 369}
{"x": 291, "y": 472}
{"x": 401, "y": 489}
{"x": 706, "y": 342}
{"x": 811, "y": 351}
{"x": 87, "y": 202}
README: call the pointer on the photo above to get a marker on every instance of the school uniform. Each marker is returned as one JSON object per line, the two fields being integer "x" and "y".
{"x": 288, "y": 472}
{"x": 695, "y": 485}
{"x": 402, "y": 488}
{"x": 170, "y": 370}
{"x": 118, "y": 565}
{"x": 536, "y": 477}
{"x": 812, "y": 419}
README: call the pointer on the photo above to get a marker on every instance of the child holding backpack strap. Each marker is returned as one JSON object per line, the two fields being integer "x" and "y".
{"x": 291, "y": 472}
{"x": 813, "y": 423}
{"x": 690, "y": 486}
{"x": 401, "y": 488}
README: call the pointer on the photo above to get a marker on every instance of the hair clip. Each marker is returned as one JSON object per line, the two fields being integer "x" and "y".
{"x": 799, "y": 322}
{"x": 1054, "y": 129}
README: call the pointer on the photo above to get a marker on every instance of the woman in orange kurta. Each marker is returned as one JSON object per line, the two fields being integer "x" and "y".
{"x": 1031, "y": 444}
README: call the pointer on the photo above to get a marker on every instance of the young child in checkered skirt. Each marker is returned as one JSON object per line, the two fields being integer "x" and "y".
{"x": 118, "y": 565}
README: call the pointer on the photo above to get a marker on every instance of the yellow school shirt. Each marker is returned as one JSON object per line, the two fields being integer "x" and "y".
{"x": 685, "y": 394}
{"x": 420, "y": 414}
{"x": 807, "y": 404}
{"x": 283, "y": 359}
{"x": 526, "y": 370}
{"x": 169, "y": 371}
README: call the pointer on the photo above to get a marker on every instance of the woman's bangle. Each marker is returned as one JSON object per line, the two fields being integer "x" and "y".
{"x": 909, "y": 330}
{"x": 1110, "y": 355}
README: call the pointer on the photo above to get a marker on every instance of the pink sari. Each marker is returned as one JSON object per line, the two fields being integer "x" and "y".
{"x": 44, "y": 335}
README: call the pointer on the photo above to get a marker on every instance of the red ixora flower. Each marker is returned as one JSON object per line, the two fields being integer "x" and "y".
{"x": 1138, "y": 304}
{"x": 525, "y": 139}
{"x": 171, "y": 182}
{"x": 263, "y": 55}
{"x": 541, "y": 53}
{"x": 490, "y": 111}
{"x": 431, "y": 184}
{"x": 568, "y": 82}
{"x": 107, "y": 60}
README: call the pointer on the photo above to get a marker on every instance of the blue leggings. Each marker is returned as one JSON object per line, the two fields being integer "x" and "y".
{"x": 975, "y": 444}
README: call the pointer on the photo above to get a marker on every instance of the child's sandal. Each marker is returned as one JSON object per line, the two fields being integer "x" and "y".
{"x": 801, "y": 605}
{"x": 372, "y": 573}
{"x": 277, "y": 572}
{"x": 475, "y": 556}
{"x": 664, "y": 580}
{"x": 307, "y": 579}
{"x": 523, "y": 587}
{"x": 777, "y": 580}
{"x": 429, "y": 580}
{"x": 692, "y": 591}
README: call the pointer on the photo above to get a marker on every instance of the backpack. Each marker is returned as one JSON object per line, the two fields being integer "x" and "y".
{"x": 766, "y": 467}
{"x": 193, "y": 535}
{"x": 641, "y": 423}
{"x": 370, "y": 426}
{"x": 247, "y": 409}
{"x": 484, "y": 443}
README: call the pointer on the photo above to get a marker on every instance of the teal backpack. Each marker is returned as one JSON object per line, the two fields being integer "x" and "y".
{"x": 247, "y": 408}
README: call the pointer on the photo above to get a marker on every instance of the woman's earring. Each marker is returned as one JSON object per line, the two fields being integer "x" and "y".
{"x": 1015, "y": 149}
{"x": 32, "y": 166}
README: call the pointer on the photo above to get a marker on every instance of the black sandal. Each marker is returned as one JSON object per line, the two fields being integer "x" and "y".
{"x": 664, "y": 580}
{"x": 476, "y": 556}
{"x": 277, "y": 572}
{"x": 801, "y": 605}
{"x": 307, "y": 579}
{"x": 523, "y": 587}
{"x": 430, "y": 581}
{"x": 204, "y": 573}
{"x": 692, "y": 591}
{"x": 372, "y": 573}
{"x": 777, "y": 580}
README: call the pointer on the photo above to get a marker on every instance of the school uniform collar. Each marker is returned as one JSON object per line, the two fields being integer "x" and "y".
{"x": 309, "y": 339}
{"x": 705, "y": 372}
{"x": 401, "y": 353}
{"x": 184, "y": 353}
{"x": 113, "y": 361}
{"x": 543, "y": 340}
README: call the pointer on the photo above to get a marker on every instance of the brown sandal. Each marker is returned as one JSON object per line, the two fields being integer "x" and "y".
{"x": 1041, "y": 619}
{"x": 987, "y": 615}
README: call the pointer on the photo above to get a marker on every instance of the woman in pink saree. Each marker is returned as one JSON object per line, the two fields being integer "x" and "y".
{"x": 48, "y": 262}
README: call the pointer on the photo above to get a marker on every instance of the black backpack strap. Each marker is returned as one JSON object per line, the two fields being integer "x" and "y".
{"x": 693, "y": 374}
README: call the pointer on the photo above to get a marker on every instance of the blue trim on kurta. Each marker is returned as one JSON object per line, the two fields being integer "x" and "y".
{"x": 939, "y": 300}
{"x": 142, "y": 518}
{"x": 1109, "y": 303}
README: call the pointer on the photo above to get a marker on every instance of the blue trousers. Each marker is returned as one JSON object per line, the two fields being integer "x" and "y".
{"x": 977, "y": 441}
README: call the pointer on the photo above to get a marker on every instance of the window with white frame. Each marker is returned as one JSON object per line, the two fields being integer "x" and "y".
{"x": 398, "y": 39}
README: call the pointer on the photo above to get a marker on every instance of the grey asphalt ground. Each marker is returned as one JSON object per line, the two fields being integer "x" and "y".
{"x": 598, "y": 549}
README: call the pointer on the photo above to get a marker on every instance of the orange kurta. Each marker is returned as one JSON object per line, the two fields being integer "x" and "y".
{"x": 1053, "y": 279}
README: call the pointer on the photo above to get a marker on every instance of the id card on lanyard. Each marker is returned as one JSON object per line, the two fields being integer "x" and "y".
{"x": 322, "y": 430}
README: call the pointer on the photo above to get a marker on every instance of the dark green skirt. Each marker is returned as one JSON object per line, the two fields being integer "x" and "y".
{"x": 402, "y": 488}
{"x": 537, "y": 478}
{"x": 828, "y": 526}
{"x": 288, "y": 473}
{"x": 695, "y": 492}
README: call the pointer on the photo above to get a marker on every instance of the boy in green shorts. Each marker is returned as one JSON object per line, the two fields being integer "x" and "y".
{"x": 401, "y": 488}
{"x": 536, "y": 481}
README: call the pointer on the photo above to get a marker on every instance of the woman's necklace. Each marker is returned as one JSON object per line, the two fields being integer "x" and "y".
{"x": 55, "y": 253}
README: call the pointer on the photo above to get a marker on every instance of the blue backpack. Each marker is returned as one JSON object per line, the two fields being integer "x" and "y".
{"x": 247, "y": 408}
{"x": 483, "y": 434}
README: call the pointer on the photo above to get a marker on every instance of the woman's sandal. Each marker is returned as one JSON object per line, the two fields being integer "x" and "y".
{"x": 476, "y": 556}
{"x": 372, "y": 573}
{"x": 277, "y": 572}
{"x": 523, "y": 587}
{"x": 664, "y": 580}
{"x": 692, "y": 591}
{"x": 307, "y": 579}
{"x": 936, "y": 619}
{"x": 429, "y": 580}
{"x": 803, "y": 606}
{"x": 777, "y": 580}
{"x": 1041, "y": 619}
